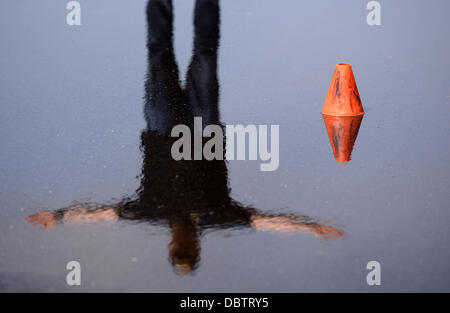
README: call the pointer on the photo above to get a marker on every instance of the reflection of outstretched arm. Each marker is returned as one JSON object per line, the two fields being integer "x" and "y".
{"x": 285, "y": 224}
{"x": 74, "y": 214}
{"x": 291, "y": 224}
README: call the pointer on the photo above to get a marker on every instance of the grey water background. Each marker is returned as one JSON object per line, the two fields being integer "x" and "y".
{"x": 71, "y": 115}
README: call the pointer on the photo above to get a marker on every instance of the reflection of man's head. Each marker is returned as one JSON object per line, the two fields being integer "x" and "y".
{"x": 184, "y": 248}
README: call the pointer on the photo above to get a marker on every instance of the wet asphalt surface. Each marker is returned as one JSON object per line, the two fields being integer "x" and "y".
{"x": 73, "y": 134}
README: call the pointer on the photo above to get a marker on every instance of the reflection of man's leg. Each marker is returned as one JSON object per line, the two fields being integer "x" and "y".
{"x": 159, "y": 23}
{"x": 202, "y": 89}
{"x": 202, "y": 83}
{"x": 162, "y": 91}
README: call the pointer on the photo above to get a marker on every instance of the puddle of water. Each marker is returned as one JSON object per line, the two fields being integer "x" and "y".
{"x": 347, "y": 190}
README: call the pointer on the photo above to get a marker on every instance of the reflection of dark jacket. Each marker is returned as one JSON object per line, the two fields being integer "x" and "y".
{"x": 172, "y": 190}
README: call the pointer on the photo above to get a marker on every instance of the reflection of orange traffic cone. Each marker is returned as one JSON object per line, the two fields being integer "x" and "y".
{"x": 342, "y": 131}
{"x": 343, "y": 96}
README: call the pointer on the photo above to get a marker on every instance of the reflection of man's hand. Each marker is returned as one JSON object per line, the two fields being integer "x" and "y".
{"x": 292, "y": 224}
{"x": 45, "y": 218}
{"x": 327, "y": 231}
{"x": 75, "y": 214}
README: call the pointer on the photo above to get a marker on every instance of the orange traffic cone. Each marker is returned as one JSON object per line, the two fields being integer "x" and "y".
{"x": 342, "y": 132}
{"x": 343, "y": 96}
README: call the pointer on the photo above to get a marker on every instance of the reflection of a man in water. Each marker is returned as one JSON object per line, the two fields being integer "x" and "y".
{"x": 187, "y": 196}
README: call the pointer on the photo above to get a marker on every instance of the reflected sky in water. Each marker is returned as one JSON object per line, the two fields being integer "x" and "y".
{"x": 74, "y": 136}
